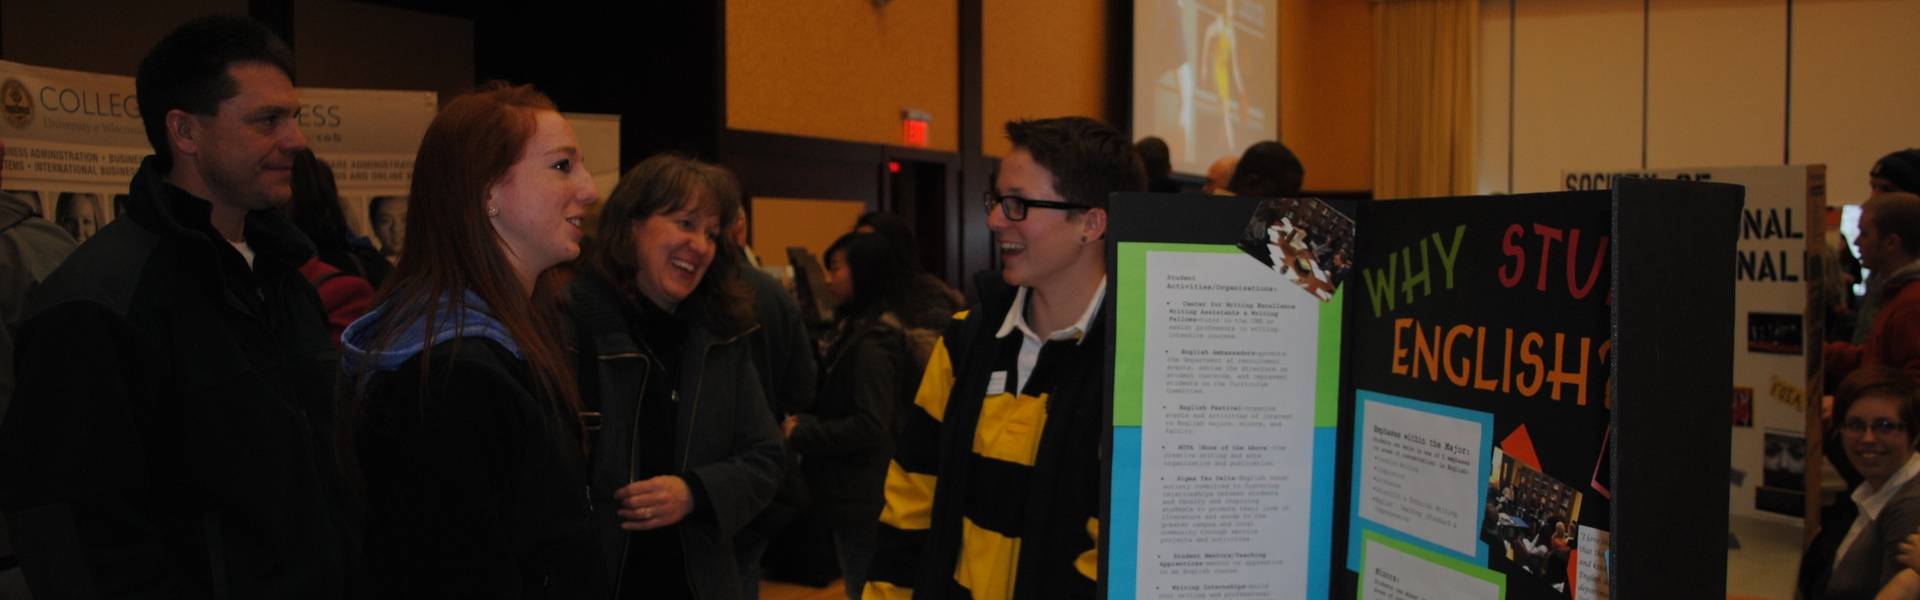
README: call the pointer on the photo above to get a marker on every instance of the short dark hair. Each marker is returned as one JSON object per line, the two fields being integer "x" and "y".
{"x": 1267, "y": 170}
{"x": 1879, "y": 380}
{"x": 1088, "y": 159}
{"x": 1156, "y": 155}
{"x": 1897, "y": 213}
{"x": 187, "y": 70}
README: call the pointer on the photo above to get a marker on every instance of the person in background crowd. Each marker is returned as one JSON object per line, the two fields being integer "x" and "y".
{"x": 388, "y": 216}
{"x": 937, "y": 300}
{"x": 1267, "y": 170}
{"x": 1219, "y": 174}
{"x": 316, "y": 211}
{"x": 783, "y": 359}
{"x": 467, "y": 423}
{"x": 1889, "y": 244}
{"x": 866, "y": 376}
{"x": 1893, "y": 173}
{"x": 688, "y": 453}
{"x": 170, "y": 434}
{"x": 1159, "y": 161}
{"x": 1879, "y": 411}
{"x": 30, "y": 249}
{"x": 1896, "y": 172}
{"x": 994, "y": 490}
{"x": 79, "y": 213}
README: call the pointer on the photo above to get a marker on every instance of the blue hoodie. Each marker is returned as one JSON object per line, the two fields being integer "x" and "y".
{"x": 475, "y": 321}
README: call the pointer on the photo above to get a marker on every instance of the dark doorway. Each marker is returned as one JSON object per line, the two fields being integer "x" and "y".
{"x": 924, "y": 190}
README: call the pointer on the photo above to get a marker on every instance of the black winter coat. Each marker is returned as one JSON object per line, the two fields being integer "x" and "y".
{"x": 171, "y": 430}
{"x": 724, "y": 436}
{"x": 474, "y": 488}
{"x": 847, "y": 439}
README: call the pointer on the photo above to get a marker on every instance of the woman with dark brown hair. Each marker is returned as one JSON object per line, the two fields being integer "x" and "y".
{"x": 687, "y": 453}
{"x": 467, "y": 425}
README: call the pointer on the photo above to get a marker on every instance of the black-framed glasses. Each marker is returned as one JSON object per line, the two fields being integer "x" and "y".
{"x": 1014, "y": 208}
{"x": 1881, "y": 427}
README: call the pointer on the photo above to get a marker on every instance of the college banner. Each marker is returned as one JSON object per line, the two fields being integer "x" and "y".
{"x": 73, "y": 140}
{"x": 1779, "y": 318}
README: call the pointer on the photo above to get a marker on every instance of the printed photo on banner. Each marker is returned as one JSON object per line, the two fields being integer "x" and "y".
{"x": 1773, "y": 333}
{"x": 1742, "y": 406}
{"x": 1531, "y": 520}
{"x": 1305, "y": 240}
{"x": 1783, "y": 474}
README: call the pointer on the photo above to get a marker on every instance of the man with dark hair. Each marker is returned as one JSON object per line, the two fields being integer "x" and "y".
{"x": 1267, "y": 170}
{"x": 994, "y": 490}
{"x": 171, "y": 434}
{"x": 1889, "y": 244}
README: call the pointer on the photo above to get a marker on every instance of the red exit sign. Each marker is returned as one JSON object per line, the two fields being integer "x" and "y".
{"x": 913, "y": 127}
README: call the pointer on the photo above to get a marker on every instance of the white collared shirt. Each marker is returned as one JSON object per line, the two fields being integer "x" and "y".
{"x": 1870, "y": 503}
{"x": 1030, "y": 342}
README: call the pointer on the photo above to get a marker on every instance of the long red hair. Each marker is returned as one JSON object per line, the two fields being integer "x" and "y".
{"x": 452, "y": 247}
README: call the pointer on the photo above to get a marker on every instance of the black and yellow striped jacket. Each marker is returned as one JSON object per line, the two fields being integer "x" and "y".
{"x": 994, "y": 493}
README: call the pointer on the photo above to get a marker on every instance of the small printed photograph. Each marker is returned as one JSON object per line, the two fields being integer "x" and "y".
{"x": 80, "y": 213}
{"x": 1785, "y": 460}
{"x": 1305, "y": 240}
{"x": 1531, "y": 520}
{"x": 1774, "y": 333}
{"x": 1742, "y": 406}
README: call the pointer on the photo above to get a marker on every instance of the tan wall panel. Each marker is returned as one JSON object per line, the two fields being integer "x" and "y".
{"x": 1040, "y": 59}
{"x": 1854, "y": 88}
{"x": 356, "y": 45}
{"x": 807, "y": 222}
{"x": 101, "y": 36}
{"x": 1496, "y": 74}
{"x": 1717, "y": 84}
{"x": 1326, "y": 91}
{"x": 843, "y": 70}
{"x": 1577, "y": 94}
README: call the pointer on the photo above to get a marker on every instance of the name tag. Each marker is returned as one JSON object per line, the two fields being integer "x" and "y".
{"x": 997, "y": 383}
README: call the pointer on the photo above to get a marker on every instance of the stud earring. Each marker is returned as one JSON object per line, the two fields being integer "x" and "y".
{"x": 493, "y": 211}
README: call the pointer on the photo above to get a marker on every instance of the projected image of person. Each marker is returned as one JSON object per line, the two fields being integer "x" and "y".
{"x": 388, "y": 215}
{"x": 79, "y": 213}
{"x": 1219, "y": 52}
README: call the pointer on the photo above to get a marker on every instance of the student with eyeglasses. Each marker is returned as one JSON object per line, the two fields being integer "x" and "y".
{"x": 1878, "y": 412}
{"x": 994, "y": 488}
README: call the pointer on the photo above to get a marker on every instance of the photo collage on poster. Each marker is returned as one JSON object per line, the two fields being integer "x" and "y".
{"x": 1305, "y": 240}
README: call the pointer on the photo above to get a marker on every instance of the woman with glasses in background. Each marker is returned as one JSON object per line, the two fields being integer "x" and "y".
{"x": 1878, "y": 415}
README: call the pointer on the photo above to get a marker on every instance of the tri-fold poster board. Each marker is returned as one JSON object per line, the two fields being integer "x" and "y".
{"x": 1420, "y": 399}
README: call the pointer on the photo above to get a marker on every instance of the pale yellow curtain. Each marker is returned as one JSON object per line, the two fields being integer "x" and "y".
{"x": 1424, "y": 83}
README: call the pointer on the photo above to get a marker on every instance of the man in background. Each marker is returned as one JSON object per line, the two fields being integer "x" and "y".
{"x": 1890, "y": 246}
{"x": 171, "y": 430}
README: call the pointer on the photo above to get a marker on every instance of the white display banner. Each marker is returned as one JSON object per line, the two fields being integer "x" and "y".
{"x": 73, "y": 140}
{"x": 1777, "y": 330}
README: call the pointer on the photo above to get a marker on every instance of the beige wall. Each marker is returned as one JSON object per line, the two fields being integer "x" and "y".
{"x": 1326, "y": 90}
{"x": 812, "y": 223}
{"x": 100, "y": 36}
{"x": 843, "y": 70}
{"x": 1716, "y": 87}
{"x": 1040, "y": 59}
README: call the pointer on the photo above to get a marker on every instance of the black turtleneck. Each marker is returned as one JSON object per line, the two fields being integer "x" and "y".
{"x": 657, "y": 561}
